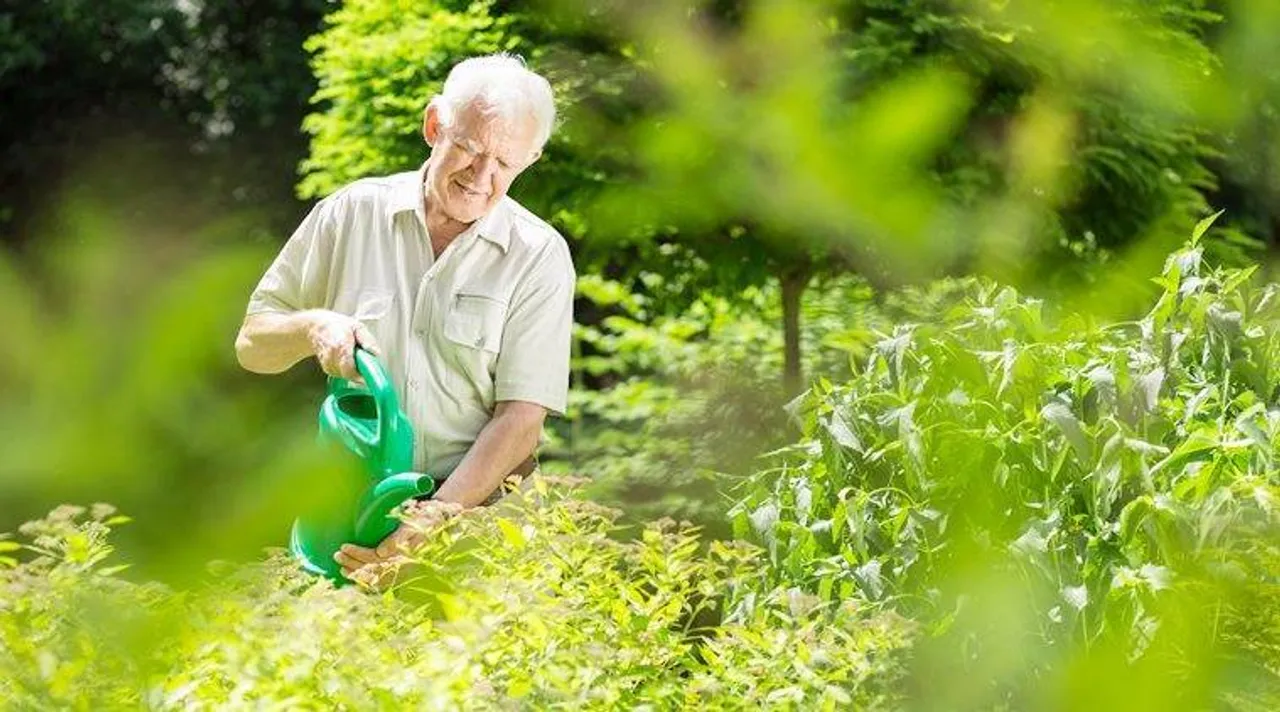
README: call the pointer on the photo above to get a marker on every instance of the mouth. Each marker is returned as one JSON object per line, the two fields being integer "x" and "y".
{"x": 470, "y": 193}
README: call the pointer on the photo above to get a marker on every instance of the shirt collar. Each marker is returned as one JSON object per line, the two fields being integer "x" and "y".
{"x": 494, "y": 226}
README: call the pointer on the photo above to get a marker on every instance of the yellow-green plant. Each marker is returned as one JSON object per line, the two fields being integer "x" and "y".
{"x": 531, "y": 604}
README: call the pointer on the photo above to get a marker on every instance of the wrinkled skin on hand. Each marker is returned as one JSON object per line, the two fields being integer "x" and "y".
{"x": 379, "y": 568}
{"x": 334, "y": 338}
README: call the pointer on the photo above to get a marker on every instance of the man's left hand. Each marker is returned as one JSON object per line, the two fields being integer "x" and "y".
{"x": 378, "y": 567}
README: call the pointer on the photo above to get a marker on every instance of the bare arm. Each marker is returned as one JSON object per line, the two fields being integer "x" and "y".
{"x": 508, "y": 439}
{"x": 274, "y": 342}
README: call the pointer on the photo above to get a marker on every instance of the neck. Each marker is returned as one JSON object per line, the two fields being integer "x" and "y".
{"x": 440, "y": 227}
{"x": 443, "y": 228}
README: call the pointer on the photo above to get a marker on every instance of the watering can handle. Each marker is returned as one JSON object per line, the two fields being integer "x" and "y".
{"x": 383, "y": 392}
{"x": 379, "y": 385}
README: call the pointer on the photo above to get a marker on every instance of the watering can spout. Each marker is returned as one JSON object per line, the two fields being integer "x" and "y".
{"x": 373, "y": 520}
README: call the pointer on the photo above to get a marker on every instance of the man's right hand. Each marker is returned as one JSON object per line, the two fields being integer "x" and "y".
{"x": 333, "y": 339}
{"x": 273, "y": 342}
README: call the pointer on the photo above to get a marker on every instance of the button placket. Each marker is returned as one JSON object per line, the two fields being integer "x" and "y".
{"x": 422, "y": 304}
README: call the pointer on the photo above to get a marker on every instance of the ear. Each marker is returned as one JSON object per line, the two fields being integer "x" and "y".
{"x": 431, "y": 124}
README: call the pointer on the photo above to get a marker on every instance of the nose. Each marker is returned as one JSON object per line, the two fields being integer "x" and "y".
{"x": 483, "y": 169}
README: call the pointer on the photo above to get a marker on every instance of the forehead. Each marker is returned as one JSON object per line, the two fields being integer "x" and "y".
{"x": 473, "y": 124}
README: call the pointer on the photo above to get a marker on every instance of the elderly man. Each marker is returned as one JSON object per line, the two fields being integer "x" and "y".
{"x": 465, "y": 295}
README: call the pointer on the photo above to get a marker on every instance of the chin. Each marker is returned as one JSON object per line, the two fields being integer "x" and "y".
{"x": 466, "y": 208}
{"x": 469, "y": 210}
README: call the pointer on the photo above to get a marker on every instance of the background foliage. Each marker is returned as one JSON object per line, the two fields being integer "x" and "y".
{"x": 194, "y": 104}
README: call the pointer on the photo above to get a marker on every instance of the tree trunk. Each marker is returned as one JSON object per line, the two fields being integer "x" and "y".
{"x": 794, "y": 282}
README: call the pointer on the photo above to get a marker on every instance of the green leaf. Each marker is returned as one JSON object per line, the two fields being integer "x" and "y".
{"x": 841, "y": 432}
{"x": 1203, "y": 226}
{"x": 1238, "y": 277}
{"x": 512, "y": 534}
{"x": 1069, "y": 425}
{"x": 1076, "y": 596}
{"x": 1197, "y": 445}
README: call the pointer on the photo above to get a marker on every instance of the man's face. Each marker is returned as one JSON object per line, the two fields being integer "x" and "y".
{"x": 474, "y": 161}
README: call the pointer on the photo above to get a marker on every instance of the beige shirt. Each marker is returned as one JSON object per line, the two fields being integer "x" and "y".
{"x": 488, "y": 321}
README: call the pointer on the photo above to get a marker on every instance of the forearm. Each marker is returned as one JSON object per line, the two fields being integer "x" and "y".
{"x": 506, "y": 441}
{"x": 271, "y": 343}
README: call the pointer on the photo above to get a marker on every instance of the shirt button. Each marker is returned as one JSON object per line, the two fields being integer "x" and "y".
{"x": 479, "y": 340}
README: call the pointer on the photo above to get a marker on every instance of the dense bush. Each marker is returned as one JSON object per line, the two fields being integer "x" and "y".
{"x": 528, "y": 605}
{"x": 1108, "y": 486}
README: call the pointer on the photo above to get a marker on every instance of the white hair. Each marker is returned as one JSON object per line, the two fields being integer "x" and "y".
{"x": 502, "y": 86}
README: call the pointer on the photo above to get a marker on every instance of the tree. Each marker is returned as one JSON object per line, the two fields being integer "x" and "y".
{"x": 728, "y": 143}
{"x": 190, "y": 102}
{"x": 1250, "y": 146}
{"x": 69, "y": 70}
{"x": 378, "y": 64}
{"x": 906, "y": 139}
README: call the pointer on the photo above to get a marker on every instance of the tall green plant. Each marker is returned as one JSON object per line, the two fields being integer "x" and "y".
{"x": 1111, "y": 487}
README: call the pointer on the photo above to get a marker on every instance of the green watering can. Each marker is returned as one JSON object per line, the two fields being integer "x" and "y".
{"x": 368, "y": 422}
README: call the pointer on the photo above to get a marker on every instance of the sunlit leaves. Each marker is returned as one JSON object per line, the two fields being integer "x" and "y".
{"x": 538, "y": 604}
{"x": 1120, "y": 478}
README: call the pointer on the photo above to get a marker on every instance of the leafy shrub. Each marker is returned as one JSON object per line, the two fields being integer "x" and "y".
{"x": 529, "y": 605}
{"x": 1068, "y": 486}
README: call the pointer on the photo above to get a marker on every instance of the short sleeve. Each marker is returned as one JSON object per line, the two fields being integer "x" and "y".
{"x": 298, "y": 277}
{"x": 533, "y": 363}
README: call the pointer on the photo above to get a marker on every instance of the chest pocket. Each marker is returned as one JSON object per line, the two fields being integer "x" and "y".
{"x": 474, "y": 321}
